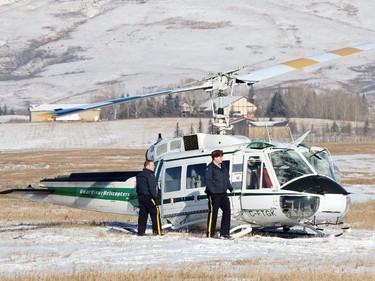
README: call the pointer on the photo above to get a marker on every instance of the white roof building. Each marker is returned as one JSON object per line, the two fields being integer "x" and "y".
{"x": 235, "y": 104}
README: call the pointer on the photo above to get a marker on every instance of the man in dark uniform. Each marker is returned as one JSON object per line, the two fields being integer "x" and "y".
{"x": 147, "y": 195}
{"x": 217, "y": 183}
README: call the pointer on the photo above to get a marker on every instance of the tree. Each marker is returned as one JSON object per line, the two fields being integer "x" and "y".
{"x": 210, "y": 127}
{"x": 347, "y": 129}
{"x": 169, "y": 105}
{"x": 251, "y": 94}
{"x": 200, "y": 126}
{"x": 334, "y": 127}
{"x": 366, "y": 128}
{"x": 5, "y": 110}
{"x": 138, "y": 107}
{"x": 192, "y": 131}
{"x": 277, "y": 107}
{"x": 177, "y": 132}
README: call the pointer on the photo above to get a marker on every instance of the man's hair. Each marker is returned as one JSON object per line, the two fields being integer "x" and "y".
{"x": 146, "y": 163}
{"x": 216, "y": 153}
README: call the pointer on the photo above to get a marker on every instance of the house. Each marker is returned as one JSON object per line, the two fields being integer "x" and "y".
{"x": 186, "y": 109}
{"x": 36, "y": 112}
{"x": 268, "y": 131}
{"x": 238, "y": 105}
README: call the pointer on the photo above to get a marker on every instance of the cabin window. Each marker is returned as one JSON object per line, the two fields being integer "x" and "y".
{"x": 172, "y": 179}
{"x": 196, "y": 176}
{"x": 175, "y": 144}
{"x": 237, "y": 176}
{"x": 288, "y": 165}
{"x": 163, "y": 148}
{"x": 257, "y": 174}
{"x": 320, "y": 160}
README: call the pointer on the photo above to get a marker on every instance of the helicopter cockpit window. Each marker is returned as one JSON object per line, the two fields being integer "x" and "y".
{"x": 172, "y": 179}
{"x": 321, "y": 162}
{"x": 288, "y": 165}
{"x": 257, "y": 175}
{"x": 195, "y": 176}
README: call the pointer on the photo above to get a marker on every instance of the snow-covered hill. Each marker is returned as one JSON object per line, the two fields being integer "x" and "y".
{"x": 68, "y": 51}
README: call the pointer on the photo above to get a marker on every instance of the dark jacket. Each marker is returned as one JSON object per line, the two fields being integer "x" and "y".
{"x": 146, "y": 183}
{"x": 217, "y": 179}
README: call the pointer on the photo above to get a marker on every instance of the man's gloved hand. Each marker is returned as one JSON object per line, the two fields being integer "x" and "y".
{"x": 231, "y": 189}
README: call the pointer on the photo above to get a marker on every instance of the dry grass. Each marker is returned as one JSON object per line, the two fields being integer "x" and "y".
{"x": 361, "y": 215}
{"x": 208, "y": 271}
{"x": 348, "y": 148}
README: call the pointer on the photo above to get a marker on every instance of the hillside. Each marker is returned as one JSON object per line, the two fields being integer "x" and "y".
{"x": 131, "y": 133}
{"x": 68, "y": 51}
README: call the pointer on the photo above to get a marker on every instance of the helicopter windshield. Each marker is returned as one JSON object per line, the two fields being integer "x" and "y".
{"x": 288, "y": 165}
{"x": 321, "y": 162}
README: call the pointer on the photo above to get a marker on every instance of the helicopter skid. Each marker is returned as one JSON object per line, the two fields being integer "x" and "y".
{"x": 240, "y": 231}
{"x": 328, "y": 232}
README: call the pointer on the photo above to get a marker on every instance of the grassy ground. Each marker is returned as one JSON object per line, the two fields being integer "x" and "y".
{"x": 204, "y": 272}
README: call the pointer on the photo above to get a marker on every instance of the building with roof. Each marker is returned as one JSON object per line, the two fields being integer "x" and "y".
{"x": 36, "y": 112}
{"x": 234, "y": 105}
{"x": 268, "y": 131}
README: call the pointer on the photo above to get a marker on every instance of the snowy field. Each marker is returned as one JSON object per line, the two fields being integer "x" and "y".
{"x": 102, "y": 248}
{"x": 358, "y": 166}
{"x": 30, "y": 248}
{"x": 94, "y": 135}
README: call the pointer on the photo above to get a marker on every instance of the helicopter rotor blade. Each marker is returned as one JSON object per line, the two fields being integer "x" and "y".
{"x": 285, "y": 67}
{"x": 63, "y": 112}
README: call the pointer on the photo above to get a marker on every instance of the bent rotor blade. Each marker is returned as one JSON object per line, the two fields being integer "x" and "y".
{"x": 62, "y": 112}
{"x": 285, "y": 67}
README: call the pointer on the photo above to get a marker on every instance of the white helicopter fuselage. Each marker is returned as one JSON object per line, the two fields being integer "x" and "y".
{"x": 274, "y": 186}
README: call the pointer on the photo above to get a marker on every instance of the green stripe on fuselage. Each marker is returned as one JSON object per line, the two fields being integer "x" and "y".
{"x": 119, "y": 194}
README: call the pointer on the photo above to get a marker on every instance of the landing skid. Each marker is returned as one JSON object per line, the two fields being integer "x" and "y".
{"x": 240, "y": 231}
{"x": 326, "y": 232}
{"x": 301, "y": 231}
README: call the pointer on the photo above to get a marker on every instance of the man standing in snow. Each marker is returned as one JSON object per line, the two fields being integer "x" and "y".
{"x": 217, "y": 183}
{"x": 146, "y": 190}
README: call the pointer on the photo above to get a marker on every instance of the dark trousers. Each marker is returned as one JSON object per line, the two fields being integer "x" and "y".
{"x": 214, "y": 203}
{"x": 147, "y": 205}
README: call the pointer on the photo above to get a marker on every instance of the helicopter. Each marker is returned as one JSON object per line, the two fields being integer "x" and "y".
{"x": 275, "y": 185}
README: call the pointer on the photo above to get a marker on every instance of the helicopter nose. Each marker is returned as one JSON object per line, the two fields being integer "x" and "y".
{"x": 316, "y": 184}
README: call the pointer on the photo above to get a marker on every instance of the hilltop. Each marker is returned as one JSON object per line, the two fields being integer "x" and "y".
{"x": 69, "y": 51}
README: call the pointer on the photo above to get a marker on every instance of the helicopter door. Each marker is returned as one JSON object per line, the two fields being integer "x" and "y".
{"x": 172, "y": 194}
{"x": 257, "y": 191}
{"x": 183, "y": 194}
